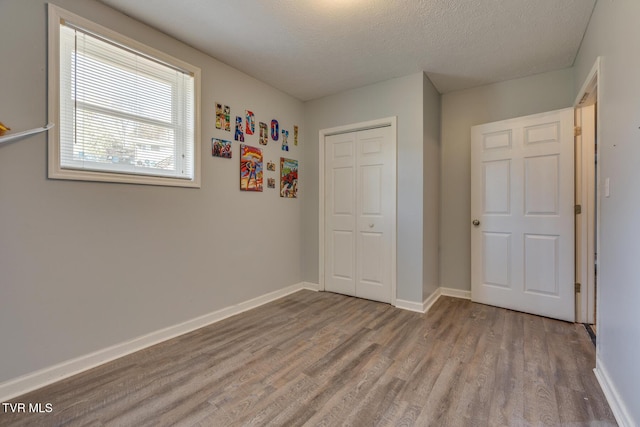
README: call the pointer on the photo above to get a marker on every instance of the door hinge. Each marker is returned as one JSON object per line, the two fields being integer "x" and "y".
{"x": 577, "y": 131}
{"x": 578, "y": 287}
{"x": 578, "y": 209}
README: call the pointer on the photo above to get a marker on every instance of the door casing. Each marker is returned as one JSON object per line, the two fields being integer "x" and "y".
{"x": 589, "y": 94}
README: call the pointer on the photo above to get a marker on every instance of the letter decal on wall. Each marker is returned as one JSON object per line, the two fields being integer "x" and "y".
{"x": 295, "y": 135}
{"x": 275, "y": 130}
{"x": 264, "y": 134}
{"x": 239, "y": 135}
{"x": 227, "y": 118}
{"x": 219, "y": 116}
{"x": 251, "y": 122}
{"x": 285, "y": 142}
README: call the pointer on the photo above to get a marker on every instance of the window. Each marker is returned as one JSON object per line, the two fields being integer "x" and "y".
{"x": 124, "y": 112}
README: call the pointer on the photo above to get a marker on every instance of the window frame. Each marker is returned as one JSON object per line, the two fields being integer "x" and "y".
{"x": 56, "y": 17}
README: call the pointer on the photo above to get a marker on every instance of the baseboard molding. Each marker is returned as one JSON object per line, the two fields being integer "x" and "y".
{"x": 35, "y": 380}
{"x": 431, "y": 299}
{"x": 310, "y": 286}
{"x": 455, "y": 293}
{"x": 620, "y": 412}
{"x": 410, "y": 305}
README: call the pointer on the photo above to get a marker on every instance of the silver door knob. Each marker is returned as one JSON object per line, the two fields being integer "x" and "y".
{"x": 476, "y": 222}
{"x": 370, "y": 225}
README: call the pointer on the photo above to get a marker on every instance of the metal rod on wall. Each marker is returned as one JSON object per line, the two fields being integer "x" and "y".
{"x": 6, "y": 139}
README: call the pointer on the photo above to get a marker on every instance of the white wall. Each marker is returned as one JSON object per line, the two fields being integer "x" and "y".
{"x": 401, "y": 97}
{"x": 466, "y": 108}
{"x": 87, "y": 265}
{"x": 614, "y": 33}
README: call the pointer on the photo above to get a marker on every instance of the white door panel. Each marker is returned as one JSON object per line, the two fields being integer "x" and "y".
{"x": 340, "y": 274}
{"x": 522, "y": 195}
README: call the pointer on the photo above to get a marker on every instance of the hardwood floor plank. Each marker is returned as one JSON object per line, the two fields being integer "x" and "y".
{"x": 325, "y": 359}
{"x": 540, "y": 403}
{"x": 507, "y": 404}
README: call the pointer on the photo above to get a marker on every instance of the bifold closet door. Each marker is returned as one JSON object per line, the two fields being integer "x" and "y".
{"x": 359, "y": 213}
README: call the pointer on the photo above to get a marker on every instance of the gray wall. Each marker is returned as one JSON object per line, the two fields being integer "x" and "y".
{"x": 431, "y": 188}
{"x": 401, "y": 97}
{"x": 614, "y": 34}
{"x": 84, "y": 266}
{"x": 460, "y": 111}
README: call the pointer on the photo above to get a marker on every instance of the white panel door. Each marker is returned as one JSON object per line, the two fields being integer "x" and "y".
{"x": 340, "y": 213}
{"x": 522, "y": 198}
{"x": 360, "y": 213}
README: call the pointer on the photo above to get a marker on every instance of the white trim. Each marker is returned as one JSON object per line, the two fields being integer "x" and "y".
{"x": 410, "y": 305}
{"x": 455, "y": 293}
{"x": 35, "y": 380}
{"x": 588, "y": 82}
{"x": 388, "y": 121}
{"x": 620, "y": 412}
{"x": 310, "y": 286}
{"x": 431, "y": 299}
{"x": 426, "y": 305}
{"x": 588, "y": 298}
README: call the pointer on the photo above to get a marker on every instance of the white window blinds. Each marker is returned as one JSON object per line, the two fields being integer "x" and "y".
{"x": 123, "y": 111}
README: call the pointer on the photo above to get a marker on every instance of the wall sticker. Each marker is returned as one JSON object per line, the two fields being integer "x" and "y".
{"x": 220, "y": 148}
{"x": 288, "y": 178}
{"x": 239, "y": 136}
{"x": 250, "y": 168}
{"x": 264, "y": 134}
{"x": 251, "y": 122}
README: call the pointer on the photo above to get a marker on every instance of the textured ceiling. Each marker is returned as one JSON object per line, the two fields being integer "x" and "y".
{"x": 313, "y": 48}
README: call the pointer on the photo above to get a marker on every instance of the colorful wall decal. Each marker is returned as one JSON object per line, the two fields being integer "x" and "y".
{"x": 219, "y": 117}
{"x": 220, "y": 148}
{"x": 271, "y": 182}
{"x": 271, "y": 166}
{"x": 275, "y": 130}
{"x": 285, "y": 140}
{"x": 288, "y": 178}
{"x": 251, "y": 122}
{"x": 239, "y": 136}
{"x": 264, "y": 134}
{"x": 227, "y": 118}
{"x": 295, "y": 135}
{"x": 250, "y": 168}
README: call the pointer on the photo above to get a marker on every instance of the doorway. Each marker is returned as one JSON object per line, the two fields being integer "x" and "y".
{"x": 358, "y": 210}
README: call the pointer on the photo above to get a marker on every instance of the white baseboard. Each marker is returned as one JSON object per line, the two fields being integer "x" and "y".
{"x": 431, "y": 299}
{"x": 310, "y": 286}
{"x": 32, "y": 381}
{"x": 410, "y": 305}
{"x": 619, "y": 409}
{"x": 455, "y": 293}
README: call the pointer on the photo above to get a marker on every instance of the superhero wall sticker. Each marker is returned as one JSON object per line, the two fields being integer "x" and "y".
{"x": 250, "y": 168}
{"x": 251, "y": 157}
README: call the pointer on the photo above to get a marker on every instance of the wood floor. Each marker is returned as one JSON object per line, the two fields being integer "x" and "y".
{"x": 321, "y": 359}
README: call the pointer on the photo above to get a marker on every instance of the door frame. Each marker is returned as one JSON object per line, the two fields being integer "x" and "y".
{"x": 588, "y": 297}
{"x": 355, "y": 127}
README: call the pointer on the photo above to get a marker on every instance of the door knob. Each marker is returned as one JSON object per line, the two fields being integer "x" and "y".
{"x": 476, "y": 222}
{"x": 370, "y": 225}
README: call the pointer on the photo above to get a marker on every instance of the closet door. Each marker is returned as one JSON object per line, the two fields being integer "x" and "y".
{"x": 340, "y": 213}
{"x": 360, "y": 213}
